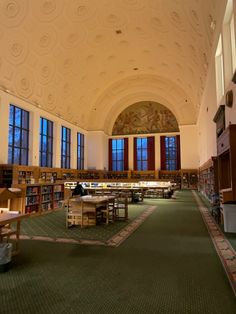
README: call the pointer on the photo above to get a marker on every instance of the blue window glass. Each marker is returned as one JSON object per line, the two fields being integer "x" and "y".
{"x": 18, "y": 136}
{"x": 139, "y": 142}
{"x": 120, "y": 165}
{"x": 117, "y": 154}
{"x": 144, "y": 142}
{"x": 11, "y": 115}
{"x": 9, "y": 153}
{"x": 65, "y": 147}
{"x": 142, "y": 153}
{"x": 120, "y": 154}
{"x": 80, "y": 151}
{"x": 17, "y": 154}
{"x": 10, "y": 136}
{"x": 171, "y": 152}
{"x": 17, "y": 117}
{"x": 46, "y": 143}
{"x": 145, "y": 165}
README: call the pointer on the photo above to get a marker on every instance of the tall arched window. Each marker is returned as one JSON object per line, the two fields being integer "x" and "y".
{"x": 18, "y": 137}
{"x": 170, "y": 152}
{"x": 118, "y": 154}
{"x": 144, "y": 153}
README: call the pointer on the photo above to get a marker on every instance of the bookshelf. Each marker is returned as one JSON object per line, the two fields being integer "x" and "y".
{"x": 49, "y": 174}
{"x": 226, "y": 152}
{"x": 42, "y": 197}
{"x": 144, "y": 175}
{"x": 90, "y": 174}
{"x": 17, "y": 174}
{"x": 208, "y": 178}
{"x": 32, "y": 199}
{"x": 189, "y": 178}
{"x": 173, "y": 176}
{"x": 46, "y": 197}
{"x": 58, "y": 195}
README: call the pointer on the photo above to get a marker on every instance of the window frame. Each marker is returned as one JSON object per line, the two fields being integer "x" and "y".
{"x": 66, "y": 142}
{"x": 142, "y": 161}
{"x": 171, "y": 162}
{"x": 116, "y": 162}
{"x": 49, "y": 143}
{"x": 80, "y": 151}
{"x": 23, "y": 128}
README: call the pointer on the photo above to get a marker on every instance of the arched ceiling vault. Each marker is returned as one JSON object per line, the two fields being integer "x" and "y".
{"x": 137, "y": 88}
{"x": 88, "y": 60}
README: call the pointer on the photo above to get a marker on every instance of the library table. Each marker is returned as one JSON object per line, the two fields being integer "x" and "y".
{"x": 5, "y": 220}
{"x": 94, "y": 203}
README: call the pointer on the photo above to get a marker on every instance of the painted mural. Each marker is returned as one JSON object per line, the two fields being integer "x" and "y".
{"x": 145, "y": 117}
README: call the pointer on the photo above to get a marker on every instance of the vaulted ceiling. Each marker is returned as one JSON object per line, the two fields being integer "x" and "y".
{"x": 86, "y": 61}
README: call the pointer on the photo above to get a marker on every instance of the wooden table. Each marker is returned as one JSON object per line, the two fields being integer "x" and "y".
{"x": 94, "y": 203}
{"x": 7, "y": 218}
{"x": 127, "y": 190}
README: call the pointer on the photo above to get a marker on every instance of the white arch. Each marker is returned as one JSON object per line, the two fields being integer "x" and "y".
{"x": 130, "y": 90}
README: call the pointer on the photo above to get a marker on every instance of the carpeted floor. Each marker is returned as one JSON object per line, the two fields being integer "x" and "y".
{"x": 53, "y": 226}
{"x": 168, "y": 265}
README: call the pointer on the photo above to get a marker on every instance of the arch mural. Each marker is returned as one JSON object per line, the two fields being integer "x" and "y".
{"x": 145, "y": 117}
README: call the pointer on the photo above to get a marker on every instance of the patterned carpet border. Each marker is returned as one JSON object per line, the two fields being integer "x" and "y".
{"x": 114, "y": 241}
{"x": 223, "y": 247}
{"x": 121, "y": 236}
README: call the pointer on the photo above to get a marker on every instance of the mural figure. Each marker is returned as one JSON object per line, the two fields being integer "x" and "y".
{"x": 145, "y": 117}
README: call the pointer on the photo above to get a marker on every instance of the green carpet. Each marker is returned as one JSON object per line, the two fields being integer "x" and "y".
{"x": 53, "y": 225}
{"x": 168, "y": 265}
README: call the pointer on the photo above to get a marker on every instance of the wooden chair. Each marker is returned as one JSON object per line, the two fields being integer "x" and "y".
{"x": 108, "y": 213}
{"x": 121, "y": 207}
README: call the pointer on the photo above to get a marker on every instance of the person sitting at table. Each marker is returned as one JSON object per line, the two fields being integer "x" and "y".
{"x": 79, "y": 190}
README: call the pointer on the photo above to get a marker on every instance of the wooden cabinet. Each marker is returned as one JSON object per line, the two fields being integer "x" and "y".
{"x": 11, "y": 200}
{"x": 226, "y": 152}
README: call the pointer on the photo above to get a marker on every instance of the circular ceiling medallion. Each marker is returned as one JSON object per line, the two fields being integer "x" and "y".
{"x": 45, "y": 70}
{"x": 16, "y": 49}
{"x": 80, "y": 10}
{"x": 47, "y": 10}
{"x": 13, "y": 12}
{"x": 24, "y": 82}
{"x": 45, "y": 40}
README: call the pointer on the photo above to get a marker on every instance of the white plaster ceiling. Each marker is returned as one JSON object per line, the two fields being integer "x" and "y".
{"x": 86, "y": 61}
